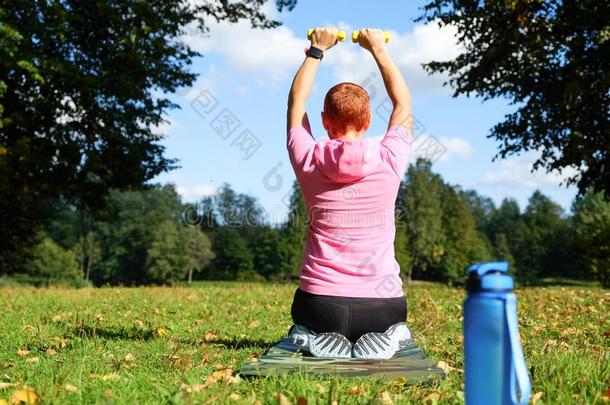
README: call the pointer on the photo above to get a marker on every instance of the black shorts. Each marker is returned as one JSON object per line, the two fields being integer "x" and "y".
{"x": 351, "y": 317}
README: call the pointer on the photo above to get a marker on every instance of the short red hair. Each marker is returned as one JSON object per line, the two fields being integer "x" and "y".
{"x": 347, "y": 107}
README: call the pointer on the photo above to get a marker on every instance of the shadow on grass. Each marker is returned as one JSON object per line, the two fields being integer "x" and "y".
{"x": 562, "y": 282}
{"x": 87, "y": 331}
{"x": 241, "y": 343}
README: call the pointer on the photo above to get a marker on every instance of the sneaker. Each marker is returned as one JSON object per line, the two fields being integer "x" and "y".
{"x": 328, "y": 344}
{"x": 301, "y": 336}
{"x": 376, "y": 345}
{"x": 331, "y": 344}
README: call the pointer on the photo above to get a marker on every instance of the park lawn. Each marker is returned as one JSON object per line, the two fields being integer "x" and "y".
{"x": 184, "y": 345}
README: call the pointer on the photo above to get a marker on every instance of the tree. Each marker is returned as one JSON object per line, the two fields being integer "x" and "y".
{"x": 482, "y": 208}
{"x": 506, "y": 220}
{"x": 266, "y": 253}
{"x": 421, "y": 196}
{"x": 549, "y": 58}
{"x": 592, "y": 235}
{"x": 293, "y": 234}
{"x": 462, "y": 245}
{"x": 165, "y": 258}
{"x": 197, "y": 249}
{"x": 88, "y": 251}
{"x": 233, "y": 257}
{"x": 502, "y": 251}
{"x": 127, "y": 227}
{"x": 50, "y": 262}
{"x": 402, "y": 251}
{"x": 539, "y": 255}
{"x": 82, "y": 92}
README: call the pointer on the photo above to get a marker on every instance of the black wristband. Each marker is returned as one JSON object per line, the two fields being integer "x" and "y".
{"x": 315, "y": 53}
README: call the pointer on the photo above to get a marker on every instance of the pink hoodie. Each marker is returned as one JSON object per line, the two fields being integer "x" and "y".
{"x": 350, "y": 189}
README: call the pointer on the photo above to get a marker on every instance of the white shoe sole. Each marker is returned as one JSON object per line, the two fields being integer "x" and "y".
{"x": 382, "y": 345}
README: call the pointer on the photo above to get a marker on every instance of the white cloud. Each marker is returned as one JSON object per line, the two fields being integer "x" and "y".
{"x": 209, "y": 81}
{"x": 436, "y": 149}
{"x": 423, "y": 44}
{"x": 455, "y": 146}
{"x": 193, "y": 193}
{"x": 517, "y": 173}
{"x": 165, "y": 127}
{"x": 274, "y": 54}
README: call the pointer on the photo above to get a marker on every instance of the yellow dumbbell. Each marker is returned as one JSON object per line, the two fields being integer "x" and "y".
{"x": 355, "y": 35}
{"x": 340, "y": 35}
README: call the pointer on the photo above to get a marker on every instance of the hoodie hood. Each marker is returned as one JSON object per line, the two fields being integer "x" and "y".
{"x": 346, "y": 161}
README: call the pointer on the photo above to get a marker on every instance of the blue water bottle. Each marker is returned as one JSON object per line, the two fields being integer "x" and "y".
{"x": 494, "y": 367}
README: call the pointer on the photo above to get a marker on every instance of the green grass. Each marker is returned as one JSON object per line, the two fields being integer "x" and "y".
{"x": 183, "y": 345}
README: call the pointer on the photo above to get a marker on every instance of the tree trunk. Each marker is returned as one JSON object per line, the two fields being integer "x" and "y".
{"x": 190, "y": 275}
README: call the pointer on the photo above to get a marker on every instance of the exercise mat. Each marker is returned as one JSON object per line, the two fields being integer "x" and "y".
{"x": 409, "y": 363}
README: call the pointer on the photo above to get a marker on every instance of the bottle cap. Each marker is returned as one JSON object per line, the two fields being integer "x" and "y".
{"x": 490, "y": 276}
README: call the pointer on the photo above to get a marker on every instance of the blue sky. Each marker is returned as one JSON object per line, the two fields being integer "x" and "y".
{"x": 231, "y": 127}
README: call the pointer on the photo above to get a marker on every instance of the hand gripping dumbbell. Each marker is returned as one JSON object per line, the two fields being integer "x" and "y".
{"x": 340, "y": 35}
{"x": 355, "y": 35}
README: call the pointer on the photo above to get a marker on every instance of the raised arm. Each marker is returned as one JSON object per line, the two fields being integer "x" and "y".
{"x": 373, "y": 40}
{"x": 323, "y": 39}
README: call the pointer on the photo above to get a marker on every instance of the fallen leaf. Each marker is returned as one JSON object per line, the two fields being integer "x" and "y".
{"x": 161, "y": 332}
{"x": 5, "y": 385}
{"x": 432, "y": 398}
{"x": 606, "y": 395}
{"x": 107, "y": 393}
{"x": 130, "y": 357}
{"x": 536, "y": 397}
{"x": 447, "y": 368}
{"x": 355, "y": 390}
{"x": 281, "y": 399}
{"x": 302, "y": 401}
{"x": 111, "y": 377}
{"x": 192, "y": 388}
{"x": 386, "y": 398}
{"x": 25, "y": 396}
{"x": 234, "y": 397}
{"x": 254, "y": 324}
{"x": 22, "y": 352}
{"x": 70, "y": 388}
{"x": 51, "y": 352}
{"x": 56, "y": 318}
{"x": 209, "y": 337}
{"x": 32, "y": 360}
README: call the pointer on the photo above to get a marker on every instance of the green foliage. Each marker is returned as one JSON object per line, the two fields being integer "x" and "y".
{"x": 421, "y": 196}
{"x": 140, "y": 238}
{"x": 437, "y": 236}
{"x": 233, "y": 257}
{"x": 592, "y": 235}
{"x": 51, "y": 262}
{"x": 164, "y": 260}
{"x": 502, "y": 251}
{"x": 82, "y": 94}
{"x": 293, "y": 233}
{"x": 549, "y": 58}
{"x": 542, "y": 220}
{"x": 197, "y": 250}
{"x": 267, "y": 250}
{"x": 461, "y": 240}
